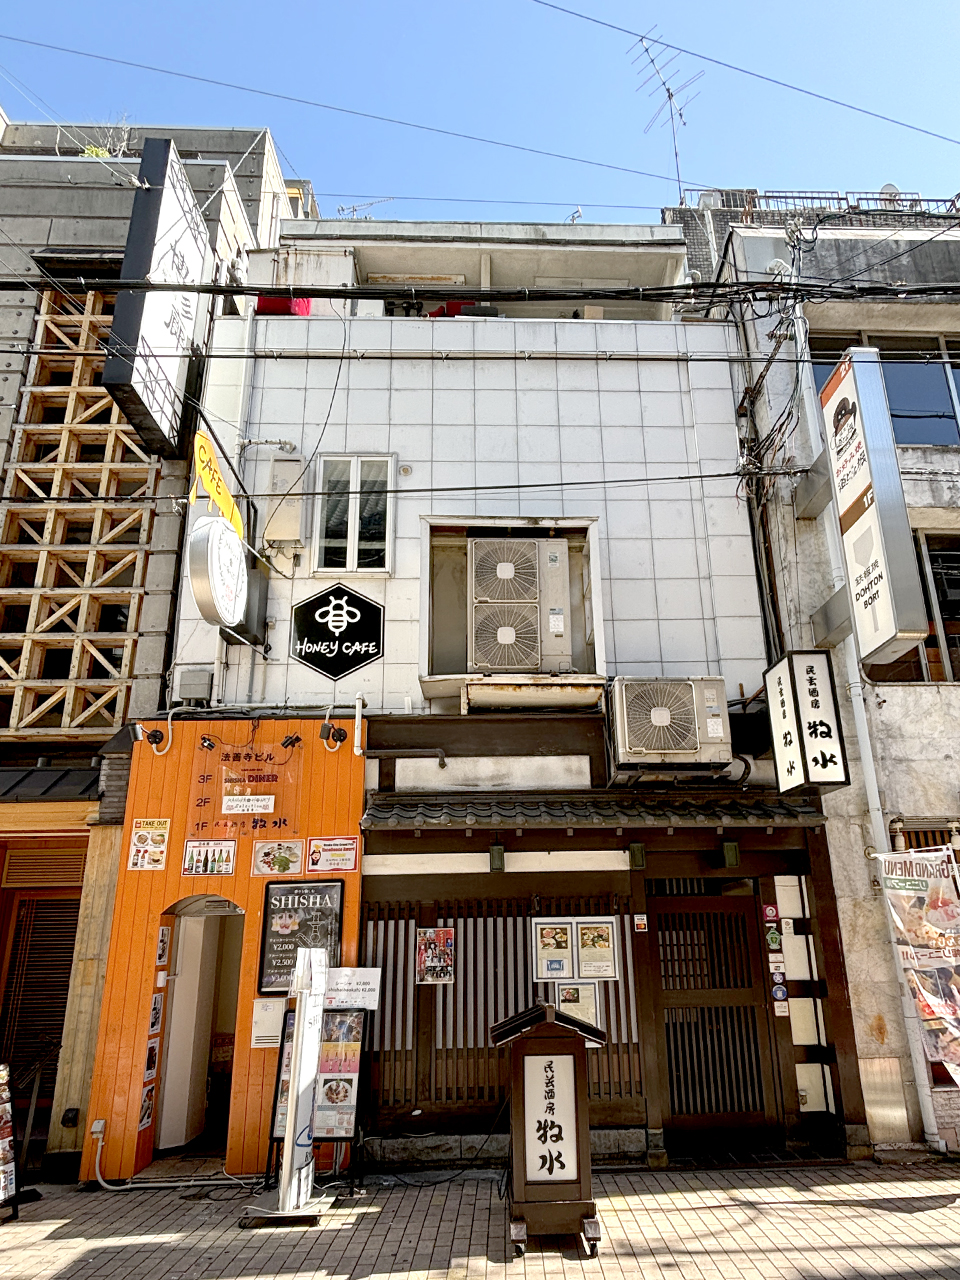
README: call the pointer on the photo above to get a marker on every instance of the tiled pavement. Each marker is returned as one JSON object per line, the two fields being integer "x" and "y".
{"x": 817, "y": 1222}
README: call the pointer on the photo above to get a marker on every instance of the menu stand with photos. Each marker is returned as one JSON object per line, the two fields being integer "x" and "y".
{"x": 349, "y": 994}
{"x": 550, "y": 1190}
{"x": 8, "y": 1161}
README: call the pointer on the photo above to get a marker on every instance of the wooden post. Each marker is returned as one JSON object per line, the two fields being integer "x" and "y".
{"x": 647, "y": 969}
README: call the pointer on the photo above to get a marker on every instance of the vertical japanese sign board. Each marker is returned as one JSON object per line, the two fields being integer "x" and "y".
{"x": 886, "y": 599}
{"x": 551, "y": 1191}
{"x": 153, "y": 330}
{"x": 808, "y": 748}
{"x": 550, "y": 1117}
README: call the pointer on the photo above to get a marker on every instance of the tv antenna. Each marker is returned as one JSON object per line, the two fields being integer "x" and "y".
{"x": 671, "y": 104}
{"x": 353, "y": 211}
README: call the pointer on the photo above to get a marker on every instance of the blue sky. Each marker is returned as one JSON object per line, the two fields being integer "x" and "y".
{"x": 512, "y": 70}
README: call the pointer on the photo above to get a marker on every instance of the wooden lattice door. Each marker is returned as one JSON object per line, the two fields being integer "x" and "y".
{"x": 712, "y": 1021}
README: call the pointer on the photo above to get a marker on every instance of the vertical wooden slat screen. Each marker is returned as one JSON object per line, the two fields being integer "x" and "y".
{"x": 493, "y": 979}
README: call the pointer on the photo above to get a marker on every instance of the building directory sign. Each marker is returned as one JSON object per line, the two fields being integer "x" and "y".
{"x": 808, "y": 746}
{"x": 153, "y": 331}
{"x": 886, "y": 599}
{"x": 298, "y": 914}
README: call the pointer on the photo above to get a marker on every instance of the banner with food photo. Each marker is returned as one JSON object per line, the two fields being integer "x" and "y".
{"x": 148, "y": 844}
{"x": 922, "y": 888}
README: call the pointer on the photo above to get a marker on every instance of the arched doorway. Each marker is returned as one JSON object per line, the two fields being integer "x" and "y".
{"x": 196, "y": 1056}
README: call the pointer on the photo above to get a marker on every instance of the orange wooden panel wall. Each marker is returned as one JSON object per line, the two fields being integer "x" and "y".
{"x": 327, "y": 800}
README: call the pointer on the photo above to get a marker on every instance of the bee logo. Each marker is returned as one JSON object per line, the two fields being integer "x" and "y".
{"x": 337, "y": 615}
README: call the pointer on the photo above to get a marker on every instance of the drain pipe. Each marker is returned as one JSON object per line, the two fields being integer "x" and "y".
{"x": 881, "y": 842}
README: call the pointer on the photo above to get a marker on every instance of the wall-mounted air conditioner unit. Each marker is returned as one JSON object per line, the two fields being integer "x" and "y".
{"x": 518, "y": 615}
{"x": 680, "y": 723}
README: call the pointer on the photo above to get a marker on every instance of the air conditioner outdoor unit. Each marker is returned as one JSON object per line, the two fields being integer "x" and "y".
{"x": 518, "y": 616}
{"x": 681, "y": 723}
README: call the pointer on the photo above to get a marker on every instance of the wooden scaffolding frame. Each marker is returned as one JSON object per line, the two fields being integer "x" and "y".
{"x": 75, "y": 532}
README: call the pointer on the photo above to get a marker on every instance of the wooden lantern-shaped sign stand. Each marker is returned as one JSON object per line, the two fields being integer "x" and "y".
{"x": 550, "y": 1182}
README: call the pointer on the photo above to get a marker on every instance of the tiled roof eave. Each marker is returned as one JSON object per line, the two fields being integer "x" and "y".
{"x": 391, "y": 812}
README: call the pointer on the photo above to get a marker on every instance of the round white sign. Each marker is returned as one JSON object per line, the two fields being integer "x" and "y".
{"x": 218, "y": 572}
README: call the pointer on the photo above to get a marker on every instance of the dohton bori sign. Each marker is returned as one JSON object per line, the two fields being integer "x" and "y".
{"x": 337, "y": 632}
{"x": 886, "y": 598}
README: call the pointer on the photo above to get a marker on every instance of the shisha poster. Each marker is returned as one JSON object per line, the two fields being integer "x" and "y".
{"x": 922, "y": 888}
{"x": 296, "y": 914}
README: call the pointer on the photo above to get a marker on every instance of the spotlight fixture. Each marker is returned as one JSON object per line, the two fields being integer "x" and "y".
{"x": 207, "y": 743}
{"x": 290, "y": 740}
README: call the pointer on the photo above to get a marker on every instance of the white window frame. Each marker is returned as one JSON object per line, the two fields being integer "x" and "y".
{"x": 353, "y": 516}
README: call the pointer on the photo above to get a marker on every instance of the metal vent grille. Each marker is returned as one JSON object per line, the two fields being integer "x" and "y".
{"x": 44, "y": 868}
{"x": 506, "y": 636}
{"x": 505, "y": 569}
{"x": 661, "y": 716}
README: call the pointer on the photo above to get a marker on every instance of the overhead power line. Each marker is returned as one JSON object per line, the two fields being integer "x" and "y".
{"x": 803, "y": 290}
{"x": 537, "y": 486}
{"x": 346, "y": 111}
{"x": 754, "y": 75}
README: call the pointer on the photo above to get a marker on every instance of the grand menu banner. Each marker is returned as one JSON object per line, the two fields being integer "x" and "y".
{"x": 922, "y": 888}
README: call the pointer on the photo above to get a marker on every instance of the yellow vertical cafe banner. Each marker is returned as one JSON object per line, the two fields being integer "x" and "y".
{"x": 207, "y": 472}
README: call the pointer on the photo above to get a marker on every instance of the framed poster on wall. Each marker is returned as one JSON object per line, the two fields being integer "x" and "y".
{"x": 579, "y": 1000}
{"x": 297, "y": 914}
{"x": 435, "y": 957}
{"x": 553, "y": 950}
{"x": 596, "y": 946}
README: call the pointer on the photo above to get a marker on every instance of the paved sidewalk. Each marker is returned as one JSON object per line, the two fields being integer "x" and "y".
{"x": 817, "y": 1222}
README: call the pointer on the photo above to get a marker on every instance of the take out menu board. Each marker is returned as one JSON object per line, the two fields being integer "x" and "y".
{"x": 8, "y": 1169}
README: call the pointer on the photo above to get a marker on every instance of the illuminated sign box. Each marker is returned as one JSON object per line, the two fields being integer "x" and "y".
{"x": 808, "y": 747}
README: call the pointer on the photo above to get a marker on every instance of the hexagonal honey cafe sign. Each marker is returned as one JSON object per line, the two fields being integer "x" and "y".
{"x": 337, "y": 632}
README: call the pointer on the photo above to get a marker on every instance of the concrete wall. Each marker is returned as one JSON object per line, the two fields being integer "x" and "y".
{"x": 679, "y": 595}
